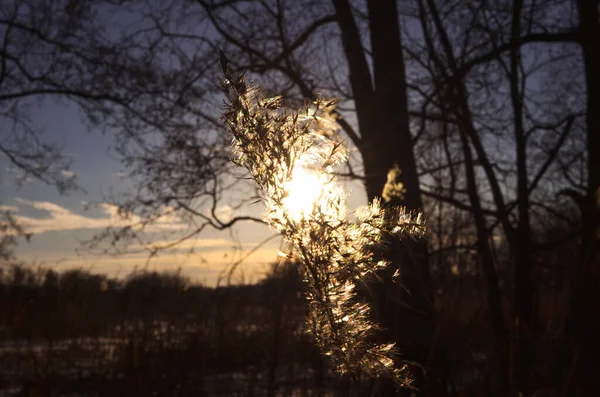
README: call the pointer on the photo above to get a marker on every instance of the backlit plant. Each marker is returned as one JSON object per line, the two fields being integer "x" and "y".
{"x": 288, "y": 153}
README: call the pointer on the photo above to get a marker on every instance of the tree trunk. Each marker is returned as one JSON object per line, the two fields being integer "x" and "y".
{"x": 500, "y": 358}
{"x": 403, "y": 308}
{"x": 524, "y": 286}
{"x": 456, "y": 98}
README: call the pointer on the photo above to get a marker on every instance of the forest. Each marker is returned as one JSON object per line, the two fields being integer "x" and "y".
{"x": 472, "y": 129}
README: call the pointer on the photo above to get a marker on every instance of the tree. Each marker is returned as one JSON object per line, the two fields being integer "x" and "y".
{"x": 63, "y": 49}
{"x": 288, "y": 48}
{"x": 457, "y": 96}
{"x": 184, "y": 174}
{"x": 384, "y": 139}
{"x": 118, "y": 77}
{"x": 506, "y": 30}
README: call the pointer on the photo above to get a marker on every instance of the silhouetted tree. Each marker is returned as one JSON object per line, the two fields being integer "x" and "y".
{"x": 476, "y": 102}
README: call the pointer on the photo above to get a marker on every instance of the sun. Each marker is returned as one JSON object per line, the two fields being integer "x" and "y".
{"x": 304, "y": 190}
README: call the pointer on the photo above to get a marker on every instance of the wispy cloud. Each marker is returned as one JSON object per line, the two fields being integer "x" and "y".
{"x": 59, "y": 218}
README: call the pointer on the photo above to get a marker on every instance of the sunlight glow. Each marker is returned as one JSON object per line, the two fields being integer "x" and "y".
{"x": 304, "y": 190}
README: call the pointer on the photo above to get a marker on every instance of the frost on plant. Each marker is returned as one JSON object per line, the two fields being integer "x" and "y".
{"x": 288, "y": 155}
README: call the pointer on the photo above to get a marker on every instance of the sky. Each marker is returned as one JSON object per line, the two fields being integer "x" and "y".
{"x": 62, "y": 223}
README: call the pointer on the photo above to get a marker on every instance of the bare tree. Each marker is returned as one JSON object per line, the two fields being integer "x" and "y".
{"x": 504, "y": 72}
{"x": 127, "y": 77}
{"x": 453, "y": 93}
{"x": 471, "y": 81}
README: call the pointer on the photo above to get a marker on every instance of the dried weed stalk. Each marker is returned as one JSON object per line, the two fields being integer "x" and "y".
{"x": 288, "y": 155}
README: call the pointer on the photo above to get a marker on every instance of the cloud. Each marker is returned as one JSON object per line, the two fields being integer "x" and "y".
{"x": 9, "y": 208}
{"x": 63, "y": 219}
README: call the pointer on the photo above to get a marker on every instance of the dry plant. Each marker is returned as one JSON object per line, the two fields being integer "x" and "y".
{"x": 288, "y": 153}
